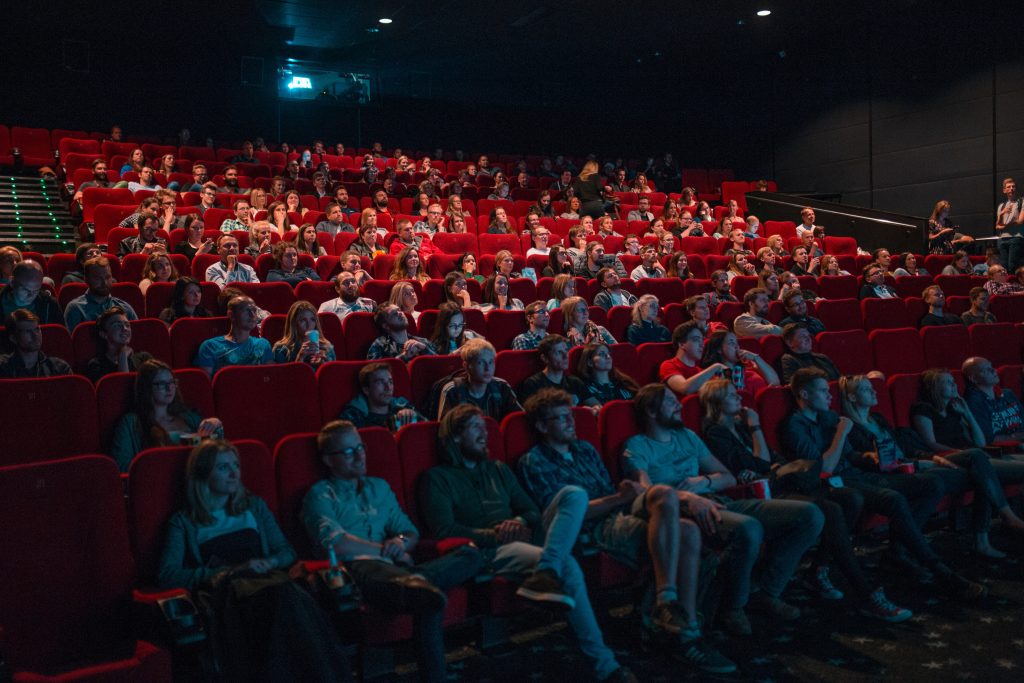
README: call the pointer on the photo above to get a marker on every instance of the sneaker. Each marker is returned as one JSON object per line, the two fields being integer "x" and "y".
{"x": 775, "y": 607}
{"x": 880, "y": 607}
{"x": 822, "y": 585}
{"x": 736, "y": 623}
{"x": 544, "y": 586}
{"x": 668, "y": 617}
{"x": 700, "y": 654}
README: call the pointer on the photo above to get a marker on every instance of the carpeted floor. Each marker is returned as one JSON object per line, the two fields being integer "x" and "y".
{"x": 945, "y": 641}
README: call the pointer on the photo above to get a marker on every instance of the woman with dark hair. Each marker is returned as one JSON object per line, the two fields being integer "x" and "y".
{"x": 748, "y": 371}
{"x": 136, "y": 160}
{"x": 906, "y": 264}
{"x": 113, "y": 336}
{"x": 559, "y": 262}
{"x": 185, "y": 301}
{"x": 678, "y": 266}
{"x": 286, "y": 258}
{"x": 226, "y": 547}
{"x": 768, "y": 280}
{"x": 495, "y": 295}
{"x": 467, "y": 266}
{"x": 953, "y": 439}
{"x": 194, "y": 243}
{"x": 450, "y": 331}
{"x": 303, "y": 339}
{"x": 159, "y": 417}
{"x": 455, "y": 289}
{"x": 602, "y": 380}
{"x": 961, "y": 265}
{"x": 543, "y": 206}
{"x": 306, "y": 241}
{"x": 277, "y": 215}
{"x": 293, "y": 201}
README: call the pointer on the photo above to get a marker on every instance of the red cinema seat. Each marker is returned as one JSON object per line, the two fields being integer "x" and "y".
{"x": 838, "y": 287}
{"x": 31, "y": 404}
{"x": 998, "y": 342}
{"x": 839, "y": 314}
{"x": 159, "y": 294}
{"x": 785, "y": 228}
{"x": 424, "y": 373}
{"x": 669, "y": 290}
{"x": 187, "y": 334}
{"x": 246, "y": 399}
{"x": 505, "y": 326}
{"x": 156, "y": 490}
{"x": 882, "y": 314}
{"x": 57, "y": 342}
{"x": 912, "y": 285}
{"x": 315, "y": 293}
{"x": 455, "y": 243}
{"x": 94, "y": 196}
{"x": 897, "y": 351}
{"x": 492, "y": 244}
{"x": 148, "y": 334}
{"x": 957, "y": 285}
{"x": 741, "y": 284}
{"x": 34, "y": 144}
{"x": 840, "y": 246}
{"x": 1007, "y": 309}
{"x": 360, "y": 332}
{"x": 338, "y": 383}
{"x": 516, "y": 366}
{"x": 727, "y": 311}
{"x": 774, "y": 405}
{"x": 276, "y": 297}
{"x": 70, "y": 145}
{"x": 848, "y": 349}
{"x": 649, "y": 358}
{"x": 903, "y": 393}
{"x": 297, "y": 466}
{"x": 1012, "y": 377}
{"x": 945, "y": 346}
{"x": 616, "y": 423}
{"x": 65, "y": 602}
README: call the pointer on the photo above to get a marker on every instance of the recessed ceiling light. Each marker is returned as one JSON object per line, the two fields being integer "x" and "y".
{"x": 384, "y": 20}
{"x": 763, "y": 12}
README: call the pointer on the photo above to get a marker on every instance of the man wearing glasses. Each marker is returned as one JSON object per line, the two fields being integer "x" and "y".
{"x": 538, "y": 317}
{"x": 357, "y": 519}
{"x": 199, "y": 178}
{"x": 207, "y": 198}
{"x": 434, "y": 223}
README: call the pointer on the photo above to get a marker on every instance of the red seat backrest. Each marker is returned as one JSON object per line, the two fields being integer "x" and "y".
{"x": 30, "y": 405}
{"x": 237, "y": 394}
{"x": 187, "y": 334}
{"x": 885, "y": 314}
{"x": 945, "y": 346}
{"x": 999, "y": 342}
{"x": 897, "y": 351}
{"x": 338, "y": 383}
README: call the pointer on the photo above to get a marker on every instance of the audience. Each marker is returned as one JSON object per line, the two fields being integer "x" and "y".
{"x": 25, "y": 291}
{"x": 477, "y": 386}
{"x": 238, "y": 346}
{"x": 376, "y": 404}
{"x": 683, "y": 373}
{"x": 796, "y": 308}
{"x": 816, "y": 434}
{"x": 780, "y": 531}
{"x": 554, "y": 354}
{"x": 356, "y": 519}
{"x": 225, "y": 541}
{"x": 159, "y": 417}
{"x": 754, "y": 323}
{"x": 395, "y": 340}
{"x": 98, "y": 298}
{"x": 113, "y": 336}
{"x": 286, "y": 258}
{"x": 798, "y": 341}
{"x": 627, "y": 521}
{"x": 734, "y": 436}
{"x": 186, "y": 301}
{"x": 748, "y": 371}
{"x": 511, "y": 531}
{"x": 978, "y": 312}
{"x": 303, "y": 340}
{"x": 494, "y": 295}
{"x": 602, "y": 381}
{"x": 646, "y": 325}
{"x": 450, "y": 331}
{"x": 577, "y": 326}
{"x": 997, "y": 410}
{"x": 999, "y": 284}
{"x": 874, "y": 284}
{"x": 229, "y": 269}
{"x": 158, "y": 268}
{"x": 27, "y": 359}
{"x": 612, "y": 293}
{"x": 935, "y": 299}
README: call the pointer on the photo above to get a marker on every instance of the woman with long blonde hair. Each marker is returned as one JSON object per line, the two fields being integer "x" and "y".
{"x": 303, "y": 339}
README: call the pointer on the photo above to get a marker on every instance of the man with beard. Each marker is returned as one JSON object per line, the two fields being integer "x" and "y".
{"x": 99, "y": 178}
{"x": 98, "y": 298}
{"x": 395, "y": 340}
{"x": 348, "y": 300}
{"x": 514, "y": 537}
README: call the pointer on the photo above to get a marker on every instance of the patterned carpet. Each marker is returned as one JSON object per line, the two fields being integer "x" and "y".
{"x": 945, "y": 641}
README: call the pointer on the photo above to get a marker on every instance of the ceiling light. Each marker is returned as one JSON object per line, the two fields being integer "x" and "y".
{"x": 384, "y": 20}
{"x": 763, "y": 12}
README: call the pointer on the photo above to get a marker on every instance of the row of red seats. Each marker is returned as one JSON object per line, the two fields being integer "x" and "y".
{"x": 896, "y": 351}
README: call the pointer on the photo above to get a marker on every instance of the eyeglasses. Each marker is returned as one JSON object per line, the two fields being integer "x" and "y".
{"x": 348, "y": 453}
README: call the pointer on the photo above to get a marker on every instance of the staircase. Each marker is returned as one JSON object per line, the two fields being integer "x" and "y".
{"x": 33, "y": 217}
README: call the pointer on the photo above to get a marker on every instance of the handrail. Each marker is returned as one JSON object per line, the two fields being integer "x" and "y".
{"x": 762, "y": 198}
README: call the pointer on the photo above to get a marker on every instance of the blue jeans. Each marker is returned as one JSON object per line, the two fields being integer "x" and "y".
{"x": 985, "y": 476}
{"x": 1010, "y": 250}
{"x": 374, "y": 580}
{"x": 786, "y": 527}
{"x": 562, "y": 520}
